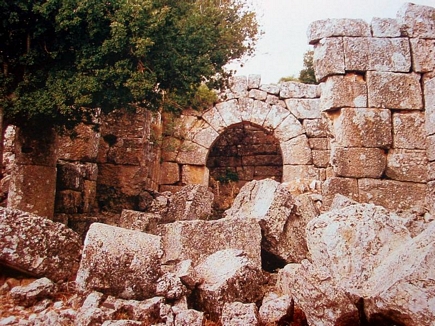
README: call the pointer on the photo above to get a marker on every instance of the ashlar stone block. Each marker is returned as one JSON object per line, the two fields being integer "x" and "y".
{"x": 391, "y": 194}
{"x": 430, "y": 197}
{"x": 356, "y": 53}
{"x": 271, "y": 88}
{"x": 358, "y": 162}
{"x": 192, "y": 174}
{"x": 192, "y": 153}
{"x": 239, "y": 86}
{"x": 296, "y": 151}
{"x": 389, "y": 54}
{"x": 429, "y": 99}
{"x": 254, "y": 81}
{"x": 205, "y": 135}
{"x": 344, "y": 91}
{"x": 169, "y": 173}
{"x": 229, "y": 112}
{"x": 245, "y": 106}
{"x": 385, "y": 27}
{"x": 214, "y": 119}
{"x": 408, "y": 130}
{"x": 259, "y": 112}
{"x": 289, "y": 128}
{"x": 430, "y": 151}
{"x": 257, "y": 94}
{"x": 316, "y": 127}
{"x": 276, "y": 115}
{"x": 321, "y": 29}
{"x": 423, "y": 55}
{"x": 417, "y": 21}
{"x": 394, "y": 90}
{"x": 407, "y": 165}
{"x": 328, "y": 58}
{"x": 344, "y": 186}
{"x": 357, "y": 127}
{"x": 304, "y": 108}
{"x": 299, "y": 90}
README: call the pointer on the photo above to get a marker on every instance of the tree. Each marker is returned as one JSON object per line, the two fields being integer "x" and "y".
{"x": 60, "y": 56}
{"x": 288, "y": 79}
{"x": 307, "y": 75}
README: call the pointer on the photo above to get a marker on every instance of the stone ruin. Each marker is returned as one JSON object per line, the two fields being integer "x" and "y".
{"x": 275, "y": 157}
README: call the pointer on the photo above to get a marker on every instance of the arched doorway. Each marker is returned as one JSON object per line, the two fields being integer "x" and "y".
{"x": 243, "y": 152}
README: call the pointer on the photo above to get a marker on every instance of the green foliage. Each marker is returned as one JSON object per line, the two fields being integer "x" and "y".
{"x": 58, "y": 56}
{"x": 229, "y": 176}
{"x": 307, "y": 75}
{"x": 288, "y": 79}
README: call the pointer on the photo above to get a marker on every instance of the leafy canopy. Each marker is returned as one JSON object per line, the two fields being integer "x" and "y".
{"x": 58, "y": 56}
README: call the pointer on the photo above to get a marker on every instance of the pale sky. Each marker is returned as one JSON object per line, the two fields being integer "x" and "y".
{"x": 285, "y": 22}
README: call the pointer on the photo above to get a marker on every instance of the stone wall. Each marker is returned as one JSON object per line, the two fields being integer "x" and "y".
{"x": 368, "y": 130}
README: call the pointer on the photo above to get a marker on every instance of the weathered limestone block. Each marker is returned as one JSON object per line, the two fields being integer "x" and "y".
{"x": 423, "y": 55}
{"x": 197, "y": 239}
{"x": 404, "y": 281}
{"x": 394, "y": 195}
{"x": 394, "y": 90}
{"x": 69, "y": 202}
{"x": 129, "y": 151}
{"x": 358, "y": 162}
{"x": 321, "y": 158}
{"x": 275, "y": 100}
{"x": 192, "y": 202}
{"x": 274, "y": 307}
{"x": 300, "y": 177}
{"x": 193, "y": 174}
{"x": 257, "y": 94}
{"x": 328, "y": 58}
{"x": 239, "y": 86}
{"x": 38, "y": 246}
{"x": 289, "y": 128}
{"x": 121, "y": 177}
{"x": 355, "y": 127}
{"x": 229, "y": 111}
{"x": 429, "y": 100}
{"x": 431, "y": 171}
{"x": 32, "y": 189}
{"x": 170, "y": 287}
{"x": 80, "y": 144}
{"x": 29, "y": 294}
{"x": 276, "y": 115}
{"x": 364, "y": 237}
{"x": 313, "y": 289}
{"x": 245, "y": 107}
{"x": 204, "y": 134}
{"x": 416, "y": 20}
{"x": 229, "y": 276}
{"x": 260, "y": 110}
{"x": 192, "y": 153}
{"x": 299, "y": 90}
{"x": 344, "y": 91}
{"x": 240, "y": 314}
{"x": 408, "y": 130}
{"x": 430, "y": 197}
{"x": 140, "y": 221}
{"x": 430, "y": 141}
{"x": 356, "y": 53}
{"x": 214, "y": 119}
{"x": 189, "y": 317}
{"x": 128, "y": 124}
{"x": 169, "y": 173}
{"x": 337, "y": 27}
{"x": 385, "y": 27}
{"x": 315, "y": 128}
{"x": 304, "y": 108}
{"x": 296, "y": 151}
{"x": 345, "y": 186}
{"x": 170, "y": 147}
{"x": 120, "y": 262}
{"x": 407, "y": 165}
{"x": 389, "y": 54}
{"x": 35, "y": 147}
{"x": 319, "y": 143}
{"x": 341, "y": 201}
{"x": 271, "y": 88}
{"x": 254, "y": 81}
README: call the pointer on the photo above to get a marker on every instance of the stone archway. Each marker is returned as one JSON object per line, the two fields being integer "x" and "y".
{"x": 243, "y": 152}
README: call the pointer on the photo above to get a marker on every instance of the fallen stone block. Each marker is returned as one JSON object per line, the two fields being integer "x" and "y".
{"x": 197, "y": 239}
{"x": 28, "y": 295}
{"x": 120, "y": 262}
{"x": 38, "y": 246}
{"x": 240, "y": 314}
{"x": 229, "y": 276}
{"x": 189, "y": 317}
{"x": 274, "y": 307}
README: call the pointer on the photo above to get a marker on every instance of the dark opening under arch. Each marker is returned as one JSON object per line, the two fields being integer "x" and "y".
{"x": 242, "y": 153}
